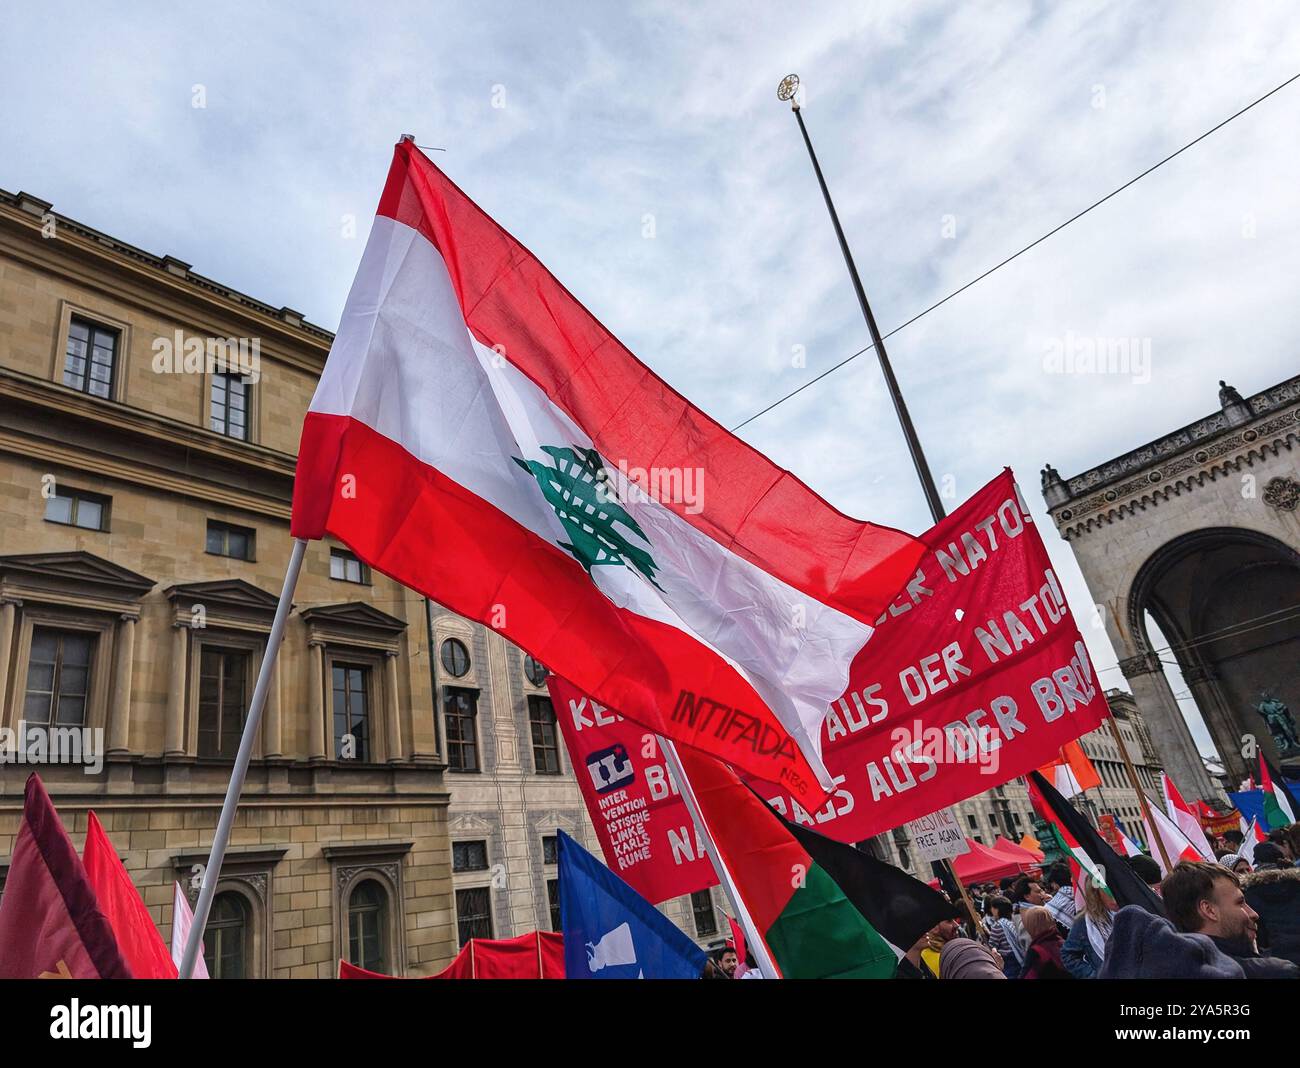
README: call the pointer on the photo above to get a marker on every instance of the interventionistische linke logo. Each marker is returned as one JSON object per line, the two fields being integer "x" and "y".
{"x": 578, "y": 487}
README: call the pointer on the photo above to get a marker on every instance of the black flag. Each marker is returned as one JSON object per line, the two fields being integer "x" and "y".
{"x": 1124, "y": 884}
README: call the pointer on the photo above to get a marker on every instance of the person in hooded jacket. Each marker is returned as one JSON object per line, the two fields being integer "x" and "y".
{"x": 1275, "y": 895}
{"x": 1143, "y": 945}
{"x": 1203, "y": 898}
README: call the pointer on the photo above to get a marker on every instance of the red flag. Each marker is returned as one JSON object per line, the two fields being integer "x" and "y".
{"x": 146, "y": 954}
{"x": 644, "y": 827}
{"x": 51, "y": 926}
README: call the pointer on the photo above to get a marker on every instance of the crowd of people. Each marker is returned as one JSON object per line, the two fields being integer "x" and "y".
{"x": 1231, "y": 919}
{"x": 1227, "y": 919}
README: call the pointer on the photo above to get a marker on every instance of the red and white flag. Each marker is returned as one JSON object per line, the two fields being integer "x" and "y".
{"x": 182, "y": 921}
{"x": 1185, "y": 816}
{"x": 480, "y": 437}
{"x": 1177, "y": 845}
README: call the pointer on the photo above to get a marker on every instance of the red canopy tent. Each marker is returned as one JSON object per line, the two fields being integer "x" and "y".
{"x": 537, "y": 955}
{"x": 983, "y": 864}
{"x": 1032, "y": 857}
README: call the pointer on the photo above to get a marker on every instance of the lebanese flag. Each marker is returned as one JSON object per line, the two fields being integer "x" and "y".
{"x": 145, "y": 952}
{"x": 1279, "y": 806}
{"x": 1071, "y": 772}
{"x": 1177, "y": 845}
{"x": 824, "y": 909}
{"x": 182, "y": 921}
{"x": 480, "y": 437}
{"x": 1185, "y": 816}
{"x": 51, "y": 926}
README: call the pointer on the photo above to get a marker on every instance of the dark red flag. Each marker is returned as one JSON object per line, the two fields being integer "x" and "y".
{"x": 51, "y": 926}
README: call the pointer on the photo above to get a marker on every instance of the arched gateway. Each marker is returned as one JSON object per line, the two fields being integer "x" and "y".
{"x": 1200, "y": 531}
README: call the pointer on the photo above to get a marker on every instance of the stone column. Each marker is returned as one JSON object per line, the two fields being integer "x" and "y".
{"x": 175, "y": 742}
{"x": 1169, "y": 732}
{"x": 496, "y": 687}
{"x": 8, "y": 618}
{"x": 1224, "y": 729}
{"x": 272, "y": 731}
{"x": 316, "y": 701}
{"x": 392, "y": 721}
{"x": 119, "y": 719}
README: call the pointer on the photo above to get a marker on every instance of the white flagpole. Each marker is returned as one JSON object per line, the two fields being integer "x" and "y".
{"x": 753, "y": 940}
{"x": 212, "y": 872}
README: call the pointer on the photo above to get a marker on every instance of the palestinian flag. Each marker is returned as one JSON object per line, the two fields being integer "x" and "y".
{"x": 1280, "y": 807}
{"x": 480, "y": 437}
{"x": 824, "y": 909}
{"x": 1105, "y": 865}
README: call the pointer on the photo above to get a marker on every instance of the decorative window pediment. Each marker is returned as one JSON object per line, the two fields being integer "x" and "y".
{"x": 226, "y": 602}
{"x": 355, "y": 624}
{"x": 73, "y": 578}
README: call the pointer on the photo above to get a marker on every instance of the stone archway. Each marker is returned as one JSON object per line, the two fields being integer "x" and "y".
{"x": 1228, "y": 601}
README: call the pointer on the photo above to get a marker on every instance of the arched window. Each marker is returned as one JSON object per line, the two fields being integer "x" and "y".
{"x": 225, "y": 940}
{"x": 455, "y": 657}
{"x": 535, "y": 670}
{"x": 368, "y": 926}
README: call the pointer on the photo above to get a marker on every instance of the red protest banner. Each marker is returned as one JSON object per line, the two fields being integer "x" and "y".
{"x": 975, "y": 674}
{"x": 643, "y": 825}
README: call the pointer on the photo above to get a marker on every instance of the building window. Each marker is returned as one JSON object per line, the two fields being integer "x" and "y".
{"x": 546, "y": 743}
{"x": 550, "y": 849}
{"x": 351, "y": 712}
{"x": 706, "y": 920}
{"x": 58, "y": 677}
{"x": 368, "y": 926}
{"x": 76, "y": 509}
{"x": 553, "y": 900}
{"x": 459, "y": 711}
{"x": 345, "y": 567}
{"x": 89, "y": 360}
{"x": 223, "y": 701}
{"x": 974, "y": 823}
{"x": 455, "y": 658}
{"x": 473, "y": 913}
{"x": 469, "y": 856}
{"x": 225, "y": 939}
{"x": 535, "y": 671}
{"x": 228, "y": 405}
{"x": 903, "y": 860}
{"x": 227, "y": 540}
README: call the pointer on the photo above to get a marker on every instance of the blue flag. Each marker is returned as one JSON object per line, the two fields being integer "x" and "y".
{"x": 1250, "y": 803}
{"x": 611, "y": 931}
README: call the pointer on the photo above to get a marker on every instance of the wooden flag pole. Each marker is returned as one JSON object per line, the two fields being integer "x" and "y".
{"x": 977, "y": 930}
{"x": 212, "y": 870}
{"x": 1137, "y": 789}
{"x": 753, "y": 940}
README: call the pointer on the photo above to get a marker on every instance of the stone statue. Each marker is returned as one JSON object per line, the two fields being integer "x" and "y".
{"x": 1281, "y": 724}
{"x": 1228, "y": 395}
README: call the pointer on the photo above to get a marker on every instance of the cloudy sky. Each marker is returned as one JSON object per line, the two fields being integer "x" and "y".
{"x": 640, "y": 151}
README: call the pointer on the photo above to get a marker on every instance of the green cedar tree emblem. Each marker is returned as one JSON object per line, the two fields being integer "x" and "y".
{"x": 577, "y": 486}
